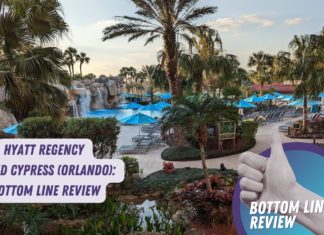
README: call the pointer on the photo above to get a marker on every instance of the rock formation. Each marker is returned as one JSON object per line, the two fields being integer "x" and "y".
{"x": 87, "y": 95}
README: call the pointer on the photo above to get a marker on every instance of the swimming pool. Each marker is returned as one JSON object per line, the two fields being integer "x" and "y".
{"x": 119, "y": 113}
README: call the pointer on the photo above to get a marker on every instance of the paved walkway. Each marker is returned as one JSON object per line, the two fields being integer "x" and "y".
{"x": 152, "y": 162}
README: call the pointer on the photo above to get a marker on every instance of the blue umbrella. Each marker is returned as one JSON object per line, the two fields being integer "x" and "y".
{"x": 277, "y": 94}
{"x": 166, "y": 96}
{"x": 150, "y": 107}
{"x": 133, "y": 106}
{"x": 268, "y": 97}
{"x": 300, "y": 103}
{"x": 12, "y": 130}
{"x": 245, "y": 105}
{"x": 288, "y": 98}
{"x": 138, "y": 119}
{"x": 321, "y": 95}
{"x": 282, "y": 96}
{"x": 162, "y": 105}
{"x": 254, "y": 99}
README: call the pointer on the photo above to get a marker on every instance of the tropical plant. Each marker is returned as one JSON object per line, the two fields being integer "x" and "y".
{"x": 102, "y": 132}
{"x": 123, "y": 73}
{"x": 131, "y": 165}
{"x": 192, "y": 67}
{"x": 283, "y": 67}
{"x": 232, "y": 93}
{"x": 129, "y": 76}
{"x": 308, "y": 52}
{"x": 170, "y": 20}
{"x": 82, "y": 58}
{"x": 217, "y": 70}
{"x": 89, "y": 76}
{"x": 205, "y": 64}
{"x": 29, "y": 218}
{"x": 263, "y": 64}
{"x": 156, "y": 77}
{"x": 70, "y": 57}
{"x": 193, "y": 114}
{"x": 30, "y": 73}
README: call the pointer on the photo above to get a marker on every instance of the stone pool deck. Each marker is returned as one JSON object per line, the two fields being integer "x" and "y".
{"x": 152, "y": 161}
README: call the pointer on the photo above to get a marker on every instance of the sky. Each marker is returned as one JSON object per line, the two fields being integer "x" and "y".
{"x": 245, "y": 26}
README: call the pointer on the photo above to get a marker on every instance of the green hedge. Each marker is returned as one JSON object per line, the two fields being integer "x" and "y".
{"x": 39, "y": 127}
{"x": 102, "y": 132}
{"x": 249, "y": 129}
{"x": 131, "y": 165}
{"x": 192, "y": 154}
{"x": 159, "y": 181}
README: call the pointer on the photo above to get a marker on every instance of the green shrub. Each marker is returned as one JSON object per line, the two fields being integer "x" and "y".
{"x": 192, "y": 154}
{"x": 116, "y": 218}
{"x": 103, "y": 133}
{"x": 131, "y": 165}
{"x": 39, "y": 127}
{"x": 249, "y": 129}
{"x": 159, "y": 181}
{"x": 180, "y": 154}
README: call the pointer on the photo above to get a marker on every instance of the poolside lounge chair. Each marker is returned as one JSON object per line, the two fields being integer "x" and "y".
{"x": 155, "y": 128}
{"x": 131, "y": 149}
{"x": 138, "y": 138}
{"x": 141, "y": 147}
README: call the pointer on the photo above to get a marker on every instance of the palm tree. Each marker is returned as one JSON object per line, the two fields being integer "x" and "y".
{"x": 207, "y": 42}
{"x": 70, "y": 55}
{"x": 170, "y": 20}
{"x": 157, "y": 78}
{"x": 207, "y": 62}
{"x": 263, "y": 64}
{"x": 194, "y": 114}
{"x": 124, "y": 73}
{"x": 82, "y": 58}
{"x": 308, "y": 53}
{"x": 192, "y": 67}
{"x": 30, "y": 73}
{"x": 131, "y": 72}
{"x": 283, "y": 66}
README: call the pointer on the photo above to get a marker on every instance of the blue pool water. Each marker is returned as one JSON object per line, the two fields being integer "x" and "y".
{"x": 118, "y": 113}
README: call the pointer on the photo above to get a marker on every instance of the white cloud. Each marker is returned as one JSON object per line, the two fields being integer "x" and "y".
{"x": 233, "y": 24}
{"x": 294, "y": 21}
{"x": 225, "y": 24}
{"x": 253, "y": 18}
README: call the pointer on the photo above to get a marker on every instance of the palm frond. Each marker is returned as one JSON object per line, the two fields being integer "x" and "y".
{"x": 200, "y": 12}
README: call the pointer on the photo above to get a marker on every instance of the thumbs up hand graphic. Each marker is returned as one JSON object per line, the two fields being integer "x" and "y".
{"x": 273, "y": 179}
{"x": 266, "y": 179}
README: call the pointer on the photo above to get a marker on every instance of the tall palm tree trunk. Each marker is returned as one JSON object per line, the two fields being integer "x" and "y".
{"x": 261, "y": 89}
{"x": 204, "y": 165}
{"x": 132, "y": 85}
{"x": 202, "y": 143}
{"x": 72, "y": 69}
{"x": 171, "y": 63}
{"x": 305, "y": 120}
{"x": 81, "y": 69}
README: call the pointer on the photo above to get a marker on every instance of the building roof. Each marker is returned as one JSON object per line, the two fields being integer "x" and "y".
{"x": 279, "y": 87}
